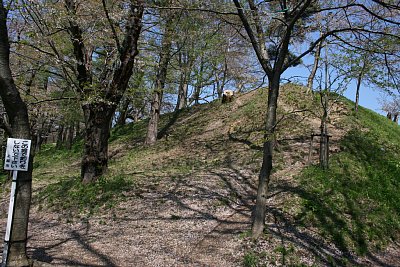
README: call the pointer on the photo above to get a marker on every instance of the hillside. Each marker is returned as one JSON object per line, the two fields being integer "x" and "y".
{"x": 187, "y": 200}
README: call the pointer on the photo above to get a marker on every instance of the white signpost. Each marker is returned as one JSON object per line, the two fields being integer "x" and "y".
{"x": 17, "y": 159}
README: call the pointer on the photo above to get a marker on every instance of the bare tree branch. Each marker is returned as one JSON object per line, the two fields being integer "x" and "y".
{"x": 115, "y": 36}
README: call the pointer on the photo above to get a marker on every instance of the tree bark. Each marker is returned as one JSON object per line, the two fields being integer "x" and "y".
{"x": 359, "y": 80}
{"x": 95, "y": 158}
{"x": 70, "y": 136}
{"x": 155, "y": 110}
{"x": 18, "y": 118}
{"x": 324, "y": 143}
{"x": 266, "y": 168}
{"x": 310, "y": 80}
{"x": 183, "y": 81}
{"x": 396, "y": 118}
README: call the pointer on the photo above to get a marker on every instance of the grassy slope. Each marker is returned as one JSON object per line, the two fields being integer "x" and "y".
{"x": 355, "y": 204}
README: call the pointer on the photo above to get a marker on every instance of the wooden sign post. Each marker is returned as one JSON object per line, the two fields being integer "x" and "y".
{"x": 16, "y": 159}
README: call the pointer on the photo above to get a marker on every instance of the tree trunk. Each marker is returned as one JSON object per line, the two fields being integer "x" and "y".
{"x": 60, "y": 134}
{"x": 359, "y": 79}
{"x": 97, "y": 131}
{"x": 396, "y": 118}
{"x": 225, "y": 72}
{"x": 70, "y": 136}
{"x": 183, "y": 81}
{"x": 123, "y": 112}
{"x": 310, "y": 80}
{"x": 199, "y": 83}
{"x": 324, "y": 145}
{"x": 152, "y": 128}
{"x": 18, "y": 118}
{"x": 266, "y": 168}
{"x": 156, "y": 103}
{"x": 39, "y": 134}
{"x": 182, "y": 95}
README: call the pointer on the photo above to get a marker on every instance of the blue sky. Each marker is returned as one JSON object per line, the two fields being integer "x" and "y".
{"x": 369, "y": 97}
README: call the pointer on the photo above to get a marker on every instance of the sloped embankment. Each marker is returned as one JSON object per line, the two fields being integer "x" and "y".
{"x": 187, "y": 200}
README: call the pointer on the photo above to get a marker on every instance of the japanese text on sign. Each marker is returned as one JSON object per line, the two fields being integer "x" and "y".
{"x": 17, "y": 154}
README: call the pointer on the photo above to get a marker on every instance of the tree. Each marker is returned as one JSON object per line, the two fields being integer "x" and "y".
{"x": 96, "y": 63}
{"x": 164, "y": 59}
{"x": 99, "y": 100}
{"x": 279, "y": 24}
{"x": 332, "y": 84}
{"x": 278, "y": 38}
{"x": 17, "y": 114}
{"x": 392, "y": 108}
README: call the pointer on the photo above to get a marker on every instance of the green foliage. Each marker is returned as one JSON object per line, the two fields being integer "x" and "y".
{"x": 132, "y": 131}
{"x": 250, "y": 260}
{"x": 356, "y": 203}
{"x": 71, "y": 195}
{"x": 50, "y": 157}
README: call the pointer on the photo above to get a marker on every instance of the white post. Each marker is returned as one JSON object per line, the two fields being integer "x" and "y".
{"x": 10, "y": 219}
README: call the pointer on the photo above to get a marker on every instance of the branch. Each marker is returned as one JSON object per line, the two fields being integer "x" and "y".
{"x": 192, "y": 9}
{"x": 390, "y": 73}
{"x": 387, "y": 5}
{"x": 79, "y": 47}
{"x": 365, "y": 8}
{"x": 332, "y": 33}
{"x": 34, "y": 47}
{"x": 52, "y": 100}
{"x": 255, "y": 43}
{"x": 112, "y": 26}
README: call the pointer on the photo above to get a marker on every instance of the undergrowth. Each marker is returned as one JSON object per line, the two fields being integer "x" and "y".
{"x": 356, "y": 203}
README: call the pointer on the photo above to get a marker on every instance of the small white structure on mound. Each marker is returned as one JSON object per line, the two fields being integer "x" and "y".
{"x": 227, "y": 96}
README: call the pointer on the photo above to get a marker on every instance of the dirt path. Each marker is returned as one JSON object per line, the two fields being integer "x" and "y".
{"x": 190, "y": 222}
{"x": 200, "y": 220}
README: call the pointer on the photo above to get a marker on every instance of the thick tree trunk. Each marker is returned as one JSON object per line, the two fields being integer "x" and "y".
{"x": 182, "y": 95}
{"x": 95, "y": 158}
{"x": 266, "y": 168}
{"x": 18, "y": 118}
{"x": 152, "y": 128}
{"x": 70, "y": 136}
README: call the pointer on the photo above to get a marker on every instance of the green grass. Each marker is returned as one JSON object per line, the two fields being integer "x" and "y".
{"x": 70, "y": 195}
{"x": 50, "y": 157}
{"x": 356, "y": 203}
{"x": 250, "y": 260}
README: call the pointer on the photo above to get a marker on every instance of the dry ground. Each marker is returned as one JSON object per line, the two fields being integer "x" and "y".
{"x": 200, "y": 220}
